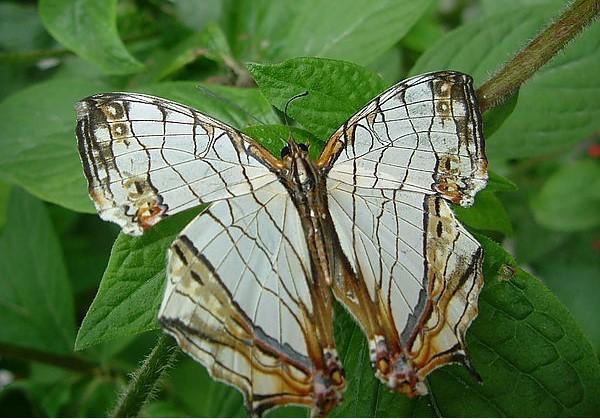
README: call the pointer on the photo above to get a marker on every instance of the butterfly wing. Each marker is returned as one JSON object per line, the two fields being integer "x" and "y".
{"x": 146, "y": 158}
{"x": 412, "y": 272}
{"x": 239, "y": 300}
{"x": 240, "y": 297}
{"x": 423, "y": 134}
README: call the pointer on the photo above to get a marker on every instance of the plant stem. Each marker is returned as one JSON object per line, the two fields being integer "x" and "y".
{"x": 72, "y": 363}
{"x": 145, "y": 380}
{"x": 538, "y": 52}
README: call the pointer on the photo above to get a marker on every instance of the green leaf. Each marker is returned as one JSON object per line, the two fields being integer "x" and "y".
{"x": 5, "y": 190}
{"x": 351, "y": 30}
{"x": 236, "y": 106}
{"x": 89, "y": 28}
{"x": 336, "y": 90}
{"x": 570, "y": 198}
{"x": 499, "y": 183}
{"x": 274, "y": 138}
{"x": 425, "y": 32}
{"x": 131, "y": 289}
{"x": 495, "y": 117}
{"x": 571, "y": 271}
{"x": 35, "y": 297}
{"x": 21, "y": 28}
{"x": 43, "y": 158}
{"x": 556, "y": 108}
{"x": 487, "y": 214}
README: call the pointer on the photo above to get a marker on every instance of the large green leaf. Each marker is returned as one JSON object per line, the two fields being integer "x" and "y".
{"x": 36, "y": 304}
{"x": 353, "y": 30}
{"x": 571, "y": 271}
{"x": 89, "y": 28}
{"x": 5, "y": 190}
{"x": 132, "y": 285}
{"x": 38, "y": 150}
{"x": 336, "y": 89}
{"x": 556, "y": 108}
{"x": 487, "y": 214}
{"x": 570, "y": 198}
{"x": 238, "y": 107}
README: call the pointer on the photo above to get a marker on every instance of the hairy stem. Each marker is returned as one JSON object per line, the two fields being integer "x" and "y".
{"x": 145, "y": 380}
{"x": 69, "y": 362}
{"x": 538, "y": 52}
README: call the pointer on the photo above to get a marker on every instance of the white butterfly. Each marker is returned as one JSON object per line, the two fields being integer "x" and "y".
{"x": 251, "y": 281}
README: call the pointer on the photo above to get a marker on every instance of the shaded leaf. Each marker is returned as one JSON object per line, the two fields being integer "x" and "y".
{"x": 556, "y": 108}
{"x": 500, "y": 183}
{"x": 238, "y": 107}
{"x": 486, "y": 214}
{"x": 35, "y": 298}
{"x": 571, "y": 271}
{"x": 352, "y": 30}
{"x": 89, "y": 28}
{"x": 44, "y": 160}
{"x": 274, "y": 138}
{"x": 4, "y": 200}
{"x": 21, "y": 28}
{"x": 495, "y": 117}
{"x": 336, "y": 90}
{"x": 132, "y": 286}
{"x": 570, "y": 198}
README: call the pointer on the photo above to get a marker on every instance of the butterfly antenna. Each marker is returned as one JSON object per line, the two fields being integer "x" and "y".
{"x": 286, "y": 115}
{"x": 223, "y": 99}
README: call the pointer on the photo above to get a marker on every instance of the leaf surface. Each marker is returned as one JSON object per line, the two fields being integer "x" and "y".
{"x": 570, "y": 198}
{"x": 89, "y": 28}
{"x": 35, "y": 295}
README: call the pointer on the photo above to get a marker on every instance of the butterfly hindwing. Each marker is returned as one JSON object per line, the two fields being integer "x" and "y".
{"x": 241, "y": 301}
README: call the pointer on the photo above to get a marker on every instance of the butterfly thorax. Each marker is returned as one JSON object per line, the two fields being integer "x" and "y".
{"x": 307, "y": 188}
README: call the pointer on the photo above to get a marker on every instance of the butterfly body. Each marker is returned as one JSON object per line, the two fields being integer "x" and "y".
{"x": 251, "y": 281}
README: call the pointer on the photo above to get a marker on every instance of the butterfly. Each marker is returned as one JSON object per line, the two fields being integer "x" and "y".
{"x": 251, "y": 281}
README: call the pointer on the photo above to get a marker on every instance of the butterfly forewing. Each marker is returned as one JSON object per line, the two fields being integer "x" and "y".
{"x": 412, "y": 273}
{"x": 423, "y": 134}
{"x": 146, "y": 158}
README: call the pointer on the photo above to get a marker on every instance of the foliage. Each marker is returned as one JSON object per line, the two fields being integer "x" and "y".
{"x": 71, "y": 334}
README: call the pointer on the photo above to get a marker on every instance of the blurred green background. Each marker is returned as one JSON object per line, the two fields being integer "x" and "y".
{"x": 54, "y": 250}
